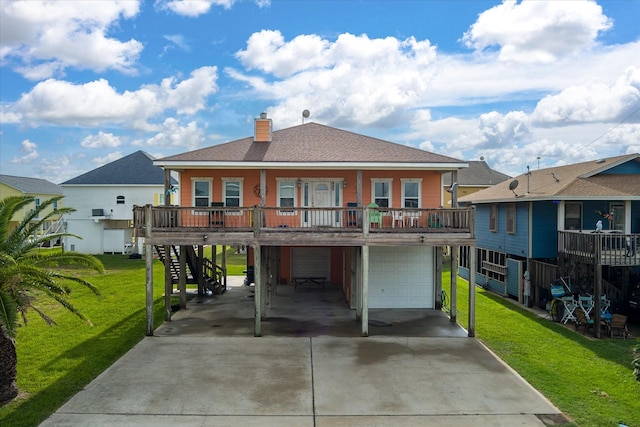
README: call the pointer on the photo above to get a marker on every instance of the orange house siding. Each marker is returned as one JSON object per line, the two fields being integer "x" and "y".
{"x": 431, "y": 186}
{"x": 340, "y": 257}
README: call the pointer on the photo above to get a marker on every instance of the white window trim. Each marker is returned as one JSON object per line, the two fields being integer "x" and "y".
{"x": 241, "y": 195}
{"x": 373, "y": 189}
{"x": 406, "y": 180}
{"x": 288, "y": 211}
{"x": 193, "y": 192}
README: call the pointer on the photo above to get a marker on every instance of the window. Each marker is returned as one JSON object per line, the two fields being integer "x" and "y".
{"x": 232, "y": 192}
{"x": 286, "y": 194}
{"x": 201, "y": 191}
{"x": 37, "y": 201}
{"x": 493, "y": 218}
{"x": 573, "y": 216}
{"x": 511, "y": 218}
{"x": 617, "y": 209}
{"x": 55, "y": 205}
{"x": 381, "y": 193}
{"x": 411, "y": 193}
{"x": 120, "y": 200}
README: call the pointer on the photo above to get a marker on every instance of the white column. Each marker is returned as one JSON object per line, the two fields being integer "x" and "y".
{"x": 471, "y": 330}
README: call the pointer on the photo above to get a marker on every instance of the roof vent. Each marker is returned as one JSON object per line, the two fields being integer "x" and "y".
{"x": 262, "y": 129}
{"x": 600, "y": 161}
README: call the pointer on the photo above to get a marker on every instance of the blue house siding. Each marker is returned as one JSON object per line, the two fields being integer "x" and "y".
{"x": 500, "y": 240}
{"x": 544, "y": 227}
{"x": 628, "y": 168}
{"x": 513, "y": 277}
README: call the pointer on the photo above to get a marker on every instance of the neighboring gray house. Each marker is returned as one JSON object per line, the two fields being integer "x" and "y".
{"x": 476, "y": 177}
{"x": 104, "y": 199}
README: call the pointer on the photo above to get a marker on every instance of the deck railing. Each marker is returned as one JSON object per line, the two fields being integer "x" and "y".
{"x": 605, "y": 248}
{"x": 354, "y": 219}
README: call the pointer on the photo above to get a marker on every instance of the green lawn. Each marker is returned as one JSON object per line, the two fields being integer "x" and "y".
{"x": 589, "y": 380}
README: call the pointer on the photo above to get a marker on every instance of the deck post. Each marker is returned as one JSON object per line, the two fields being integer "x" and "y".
{"x": 471, "y": 329}
{"x": 257, "y": 295}
{"x": 200, "y": 270}
{"x": 365, "y": 291}
{"x": 357, "y": 257}
{"x": 182, "y": 281}
{"x": 148, "y": 252}
{"x": 454, "y": 285}
{"x": 438, "y": 278}
{"x": 168, "y": 284}
{"x": 224, "y": 266}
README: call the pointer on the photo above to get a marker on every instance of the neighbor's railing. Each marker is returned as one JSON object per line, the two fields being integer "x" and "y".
{"x": 605, "y": 248}
{"x": 177, "y": 218}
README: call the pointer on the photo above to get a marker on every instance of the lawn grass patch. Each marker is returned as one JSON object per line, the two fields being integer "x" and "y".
{"x": 56, "y": 362}
{"x": 590, "y": 380}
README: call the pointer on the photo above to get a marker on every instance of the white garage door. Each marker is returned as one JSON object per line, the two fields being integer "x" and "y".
{"x": 401, "y": 277}
{"x": 311, "y": 262}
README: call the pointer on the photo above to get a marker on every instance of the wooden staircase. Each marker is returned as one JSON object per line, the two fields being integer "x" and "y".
{"x": 212, "y": 274}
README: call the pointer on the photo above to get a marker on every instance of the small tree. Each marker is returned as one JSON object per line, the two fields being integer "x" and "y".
{"x": 27, "y": 275}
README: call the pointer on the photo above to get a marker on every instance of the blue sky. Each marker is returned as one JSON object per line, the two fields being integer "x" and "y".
{"x": 83, "y": 83}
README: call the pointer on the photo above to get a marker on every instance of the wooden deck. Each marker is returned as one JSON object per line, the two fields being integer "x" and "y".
{"x": 604, "y": 248}
{"x": 349, "y": 226}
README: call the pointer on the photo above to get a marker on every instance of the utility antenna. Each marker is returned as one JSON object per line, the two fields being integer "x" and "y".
{"x": 305, "y": 114}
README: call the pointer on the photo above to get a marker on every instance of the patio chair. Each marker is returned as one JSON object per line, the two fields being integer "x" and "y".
{"x": 618, "y": 326}
{"x": 375, "y": 216}
{"x": 582, "y": 321}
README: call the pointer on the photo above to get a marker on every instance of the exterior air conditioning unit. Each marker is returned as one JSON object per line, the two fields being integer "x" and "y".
{"x": 97, "y": 212}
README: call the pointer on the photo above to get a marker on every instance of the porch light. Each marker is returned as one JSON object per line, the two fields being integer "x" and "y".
{"x": 299, "y": 183}
{"x": 344, "y": 184}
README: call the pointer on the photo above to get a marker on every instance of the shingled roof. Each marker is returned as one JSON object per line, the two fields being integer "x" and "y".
{"x": 310, "y": 143}
{"x": 595, "y": 179}
{"x": 135, "y": 169}
{"x": 30, "y": 185}
{"x": 478, "y": 174}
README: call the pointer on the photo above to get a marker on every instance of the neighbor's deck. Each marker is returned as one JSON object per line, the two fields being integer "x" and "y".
{"x": 604, "y": 248}
{"x": 276, "y": 226}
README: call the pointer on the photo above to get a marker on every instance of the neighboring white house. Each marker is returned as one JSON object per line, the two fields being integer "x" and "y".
{"x": 104, "y": 199}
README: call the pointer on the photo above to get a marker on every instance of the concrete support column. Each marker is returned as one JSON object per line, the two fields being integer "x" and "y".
{"x": 365, "y": 291}
{"x": 224, "y": 266}
{"x": 257, "y": 296}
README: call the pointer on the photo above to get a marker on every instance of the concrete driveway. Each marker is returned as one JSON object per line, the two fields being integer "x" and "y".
{"x": 205, "y": 369}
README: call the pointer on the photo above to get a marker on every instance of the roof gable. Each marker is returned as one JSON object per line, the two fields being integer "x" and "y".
{"x": 30, "y": 185}
{"x": 135, "y": 169}
{"x": 310, "y": 143}
{"x": 477, "y": 174}
{"x": 593, "y": 179}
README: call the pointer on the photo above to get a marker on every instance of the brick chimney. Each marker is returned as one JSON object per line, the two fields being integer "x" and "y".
{"x": 262, "y": 129}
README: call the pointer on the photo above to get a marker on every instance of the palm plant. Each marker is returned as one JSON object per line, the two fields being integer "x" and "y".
{"x": 27, "y": 275}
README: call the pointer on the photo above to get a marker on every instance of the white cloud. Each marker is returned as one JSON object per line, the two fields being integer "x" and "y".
{"x": 97, "y": 103}
{"x": 173, "y": 135}
{"x": 101, "y": 140}
{"x": 42, "y": 38}
{"x": 30, "y": 150}
{"x": 538, "y": 31}
{"x": 192, "y": 8}
{"x": 595, "y": 101}
{"x": 352, "y": 80}
{"x": 111, "y": 157}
